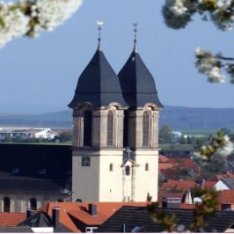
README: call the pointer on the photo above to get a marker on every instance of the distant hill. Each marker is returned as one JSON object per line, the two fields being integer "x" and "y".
{"x": 197, "y": 118}
{"x": 176, "y": 117}
{"x": 61, "y": 119}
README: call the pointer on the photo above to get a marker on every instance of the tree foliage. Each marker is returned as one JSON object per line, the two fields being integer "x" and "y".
{"x": 165, "y": 134}
{"x": 178, "y": 13}
{"x": 31, "y": 17}
{"x": 205, "y": 208}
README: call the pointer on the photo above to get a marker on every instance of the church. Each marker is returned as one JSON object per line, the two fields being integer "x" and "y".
{"x": 114, "y": 154}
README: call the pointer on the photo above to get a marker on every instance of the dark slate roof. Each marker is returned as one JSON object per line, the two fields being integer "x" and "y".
{"x": 229, "y": 182}
{"x": 138, "y": 217}
{"x": 16, "y": 230}
{"x": 36, "y": 168}
{"x": 137, "y": 83}
{"x": 98, "y": 84}
{"x": 42, "y": 219}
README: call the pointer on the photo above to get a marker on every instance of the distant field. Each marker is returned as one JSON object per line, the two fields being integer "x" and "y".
{"x": 176, "y": 147}
{"x": 201, "y": 132}
{"x": 198, "y": 132}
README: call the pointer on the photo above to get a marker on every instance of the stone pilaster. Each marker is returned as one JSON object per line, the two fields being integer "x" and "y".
{"x": 119, "y": 128}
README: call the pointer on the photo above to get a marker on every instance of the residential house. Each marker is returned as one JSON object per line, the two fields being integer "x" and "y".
{"x": 137, "y": 219}
{"x": 75, "y": 217}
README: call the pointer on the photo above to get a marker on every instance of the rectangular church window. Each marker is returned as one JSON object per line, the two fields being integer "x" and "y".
{"x": 85, "y": 161}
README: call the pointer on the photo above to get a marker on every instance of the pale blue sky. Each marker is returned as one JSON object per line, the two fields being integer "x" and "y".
{"x": 40, "y": 75}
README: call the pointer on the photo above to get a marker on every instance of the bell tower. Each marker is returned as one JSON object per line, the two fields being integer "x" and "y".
{"x": 98, "y": 117}
{"x": 141, "y": 126}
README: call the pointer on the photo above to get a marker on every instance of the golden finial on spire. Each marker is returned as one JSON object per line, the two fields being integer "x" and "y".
{"x": 99, "y": 24}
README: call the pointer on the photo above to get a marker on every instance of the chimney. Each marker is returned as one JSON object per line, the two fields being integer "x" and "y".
{"x": 29, "y": 213}
{"x": 55, "y": 218}
{"x": 123, "y": 228}
{"x": 164, "y": 202}
{"x": 92, "y": 209}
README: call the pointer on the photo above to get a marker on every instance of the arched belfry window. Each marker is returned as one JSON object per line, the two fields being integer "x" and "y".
{"x": 6, "y": 204}
{"x": 146, "y": 128}
{"x": 110, "y": 128}
{"x": 111, "y": 167}
{"x": 33, "y": 204}
{"x": 87, "y": 128}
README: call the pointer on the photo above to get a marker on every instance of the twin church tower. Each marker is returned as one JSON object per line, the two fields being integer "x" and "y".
{"x": 115, "y": 132}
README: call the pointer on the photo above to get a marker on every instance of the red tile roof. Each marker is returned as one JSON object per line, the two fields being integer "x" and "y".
{"x": 11, "y": 219}
{"x": 164, "y": 166}
{"x": 172, "y": 167}
{"x": 182, "y": 185}
{"x": 225, "y": 175}
{"x": 208, "y": 184}
{"x": 163, "y": 159}
{"x": 187, "y": 206}
{"x": 79, "y": 212}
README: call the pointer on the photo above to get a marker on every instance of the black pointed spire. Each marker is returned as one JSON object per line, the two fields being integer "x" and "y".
{"x": 98, "y": 84}
{"x": 137, "y": 83}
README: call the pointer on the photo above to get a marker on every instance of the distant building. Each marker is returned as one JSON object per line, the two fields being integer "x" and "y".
{"x": 33, "y": 174}
{"x": 27, "y": 133}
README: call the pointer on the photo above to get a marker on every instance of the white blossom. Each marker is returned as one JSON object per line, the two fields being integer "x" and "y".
{"x": 176, "y": 14}
{"x": 178, "y": 8}
{"x": 223, "y": 23}
{"x": 40, "y": 15}
{"x": 227, "y": 149}
{"x": 15, "y": 24}
{"x": 209, "y": 65}
{"x": 224, "y": 4}
{"x": 52, "y": 13}
{"x": 212, "y": 157}
{"x": 215, "y": 75}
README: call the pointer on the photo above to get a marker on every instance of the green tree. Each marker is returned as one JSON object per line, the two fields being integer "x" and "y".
{"x": 65, "y": 136}
{"x": 165, "y": 135}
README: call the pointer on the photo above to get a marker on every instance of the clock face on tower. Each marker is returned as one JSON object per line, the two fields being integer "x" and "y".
{"x": 85, "y": 161}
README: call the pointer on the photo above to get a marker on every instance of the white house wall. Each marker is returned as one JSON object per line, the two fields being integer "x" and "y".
{"x": 219, "y": 186}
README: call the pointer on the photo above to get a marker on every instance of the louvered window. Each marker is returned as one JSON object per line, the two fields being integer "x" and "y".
{"x": 87, "y": 128}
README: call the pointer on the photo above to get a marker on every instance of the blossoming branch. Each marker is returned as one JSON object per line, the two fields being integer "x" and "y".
{"x": 31, "y": 17}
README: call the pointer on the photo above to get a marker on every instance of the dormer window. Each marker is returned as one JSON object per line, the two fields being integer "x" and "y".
{"x": 6, "y": 204}
{"x": 42, "y": 171}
